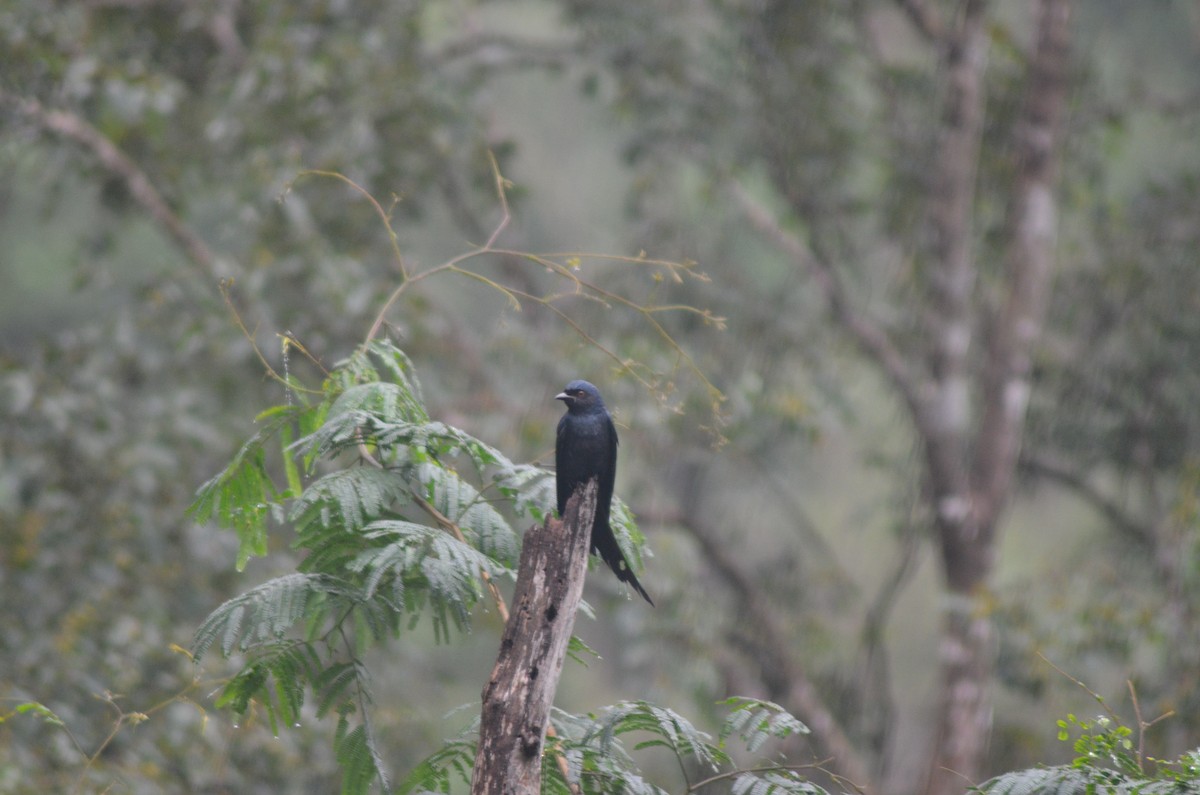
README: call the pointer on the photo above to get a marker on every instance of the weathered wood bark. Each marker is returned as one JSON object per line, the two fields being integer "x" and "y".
{"x": 518, "y": 695}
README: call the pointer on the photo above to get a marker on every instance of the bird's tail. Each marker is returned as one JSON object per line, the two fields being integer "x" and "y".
{"x": 611, "y": 554}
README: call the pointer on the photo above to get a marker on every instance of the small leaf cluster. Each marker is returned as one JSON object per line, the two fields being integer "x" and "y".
{"x": 1100, "y": 741}
{"x": 397, "y": 516}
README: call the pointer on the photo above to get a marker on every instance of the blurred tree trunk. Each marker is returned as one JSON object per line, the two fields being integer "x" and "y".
{"x": 970, "y": 479}
{"x": 966, "y": 384}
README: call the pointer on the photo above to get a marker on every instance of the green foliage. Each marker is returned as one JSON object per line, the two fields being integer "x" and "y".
{"x": 1109, "y": 762}
{"x": 359, "y": 757}
{"x": 241, "y": 495}
{"x": 1101, "y": 741}
{"x": 599, "y": 760}
{"x": 401, "y": 517}
{"x": 440, "y": 770}
{"x": 756, "y": 722}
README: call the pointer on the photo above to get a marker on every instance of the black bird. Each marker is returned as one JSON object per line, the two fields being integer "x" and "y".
{"x": 586, "y": 448}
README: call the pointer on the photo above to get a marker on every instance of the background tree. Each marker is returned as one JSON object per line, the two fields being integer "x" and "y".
{"x": 910, "y": 179}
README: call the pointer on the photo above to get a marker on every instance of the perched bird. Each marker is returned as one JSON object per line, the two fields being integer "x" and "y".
{"x": 586, "y": 448}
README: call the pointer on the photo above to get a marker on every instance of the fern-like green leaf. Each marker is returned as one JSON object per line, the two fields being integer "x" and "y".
{"x": 530, "y": 489}
{"x": 667, "y": 729}
{"x": 359, "y": 759}
{"x": 774, "y": 782}
{"x": 379, "y": 361}
{"x": 275, "y": 677}
{"x": 757, "y": 721}
{"x": 333, "y": 683}
{"x": 354, "y": 758}
{"x": 594, "y": 753}
{"x": 1082, "y": 780}
{"x": 409, "y": 559}
{"x": 580, "y": 652}
{"x": 625, "y": 530}
{"x": 348, "y": 499}
{"x": 269, "y": 611}
{"x": 1039, "y": 781}
{"x": 593, "y": 749}
{"x": 460, "y": 502}
{"x": 241, "y": 495}
{"x": 35, "y": 708}
{"x": 439, "y": 771}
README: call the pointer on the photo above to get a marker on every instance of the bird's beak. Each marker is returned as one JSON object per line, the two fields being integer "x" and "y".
{"x": 563, "y": 396}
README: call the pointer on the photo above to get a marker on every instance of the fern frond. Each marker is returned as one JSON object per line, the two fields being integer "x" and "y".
{"x": 353, "y": 496}
{"x": 341, "y": 430}
{"x": 384, "y": 400}
{"x": 359, "y": 758}
{"x": 530, "y": 489}
{"x": 404, "y": 545}
{"x": 601, "y": 767}
{"x": 757, "y": 721}
{"x": 354, "y": 757}
{"x": 439, "y": 771}
{"x": 365, "y": 366}
{"x": 625, "y": 530}
{"x": 460, "y": 502}
{"x": 579, "y": 651}
{"x": 241, "y": 495}
{"x": 428, "y": 564}
{"x": 269, "y": 611}
{"x": 332, "y": 684}
{"x": 1040, "y": 781}
{"x": 1081, "y": 780}
{"x": 396, "y": 363}
{"x": 668, "y": 729}
{"x": 774, "y": 782}
{"x": 275, "y": 677}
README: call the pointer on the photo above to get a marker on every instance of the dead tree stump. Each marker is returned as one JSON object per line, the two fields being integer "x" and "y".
{"x": 517, "y": 697}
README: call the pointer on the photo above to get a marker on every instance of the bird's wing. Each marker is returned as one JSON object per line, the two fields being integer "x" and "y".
{"x": 608, "y": 473}
{"x": 564, "y": 482}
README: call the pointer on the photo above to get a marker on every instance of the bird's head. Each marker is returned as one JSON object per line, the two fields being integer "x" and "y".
{"x": 580, "y": 397}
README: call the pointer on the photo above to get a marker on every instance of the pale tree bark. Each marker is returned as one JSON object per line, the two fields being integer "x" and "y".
{"x": 520, "y": 691}
{"x": 970, "y": 501}
{"x": 944, "y": 419}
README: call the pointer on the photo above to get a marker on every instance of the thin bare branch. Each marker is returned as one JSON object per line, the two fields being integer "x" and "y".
{"x": 870, "y": 338}
{"x": 924, "y": 18}
{"x": 1110, "y": 509}
{"x": 385, "y": 216}
{"x": 1079, "y": 683}
{"x": 777, "y": 659}
{"x": 563, "y": 265}
{"x": 139, "y": 185}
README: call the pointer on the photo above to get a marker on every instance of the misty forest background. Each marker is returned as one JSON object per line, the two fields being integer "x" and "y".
{"x": 942, "y": 434}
